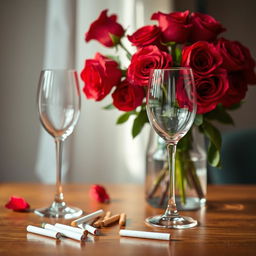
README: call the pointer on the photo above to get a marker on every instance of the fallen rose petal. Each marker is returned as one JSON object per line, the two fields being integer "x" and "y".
{"x": 17, "y": 204}
{"x": 99, "y": 193}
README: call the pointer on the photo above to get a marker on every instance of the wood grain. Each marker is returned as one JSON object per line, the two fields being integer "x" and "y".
{"x": 227, "y": 223}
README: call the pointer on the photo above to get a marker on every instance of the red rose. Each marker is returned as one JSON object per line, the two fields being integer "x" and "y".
{"x": 175, "y": 26}
{"x": 204, "y": 27}
{"x": 147, "y": 35}
{"x": 237, "y": 89}
{"x": 210, "y": 90}
{"x": 128, "y": 97}
{"x": 99, "y": 193}
{"x": 100, "y": 75}
{"x": 17, "y": 204}
{"x": 105, "y": 30}
{"x": 202, "y": 57}
{"x": 145, "y": 59}
{"x": 237, "y": 57}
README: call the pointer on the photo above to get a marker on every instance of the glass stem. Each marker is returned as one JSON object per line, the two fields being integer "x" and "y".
{"x": 171, "y": 207}
{"x": 58, "y": 194}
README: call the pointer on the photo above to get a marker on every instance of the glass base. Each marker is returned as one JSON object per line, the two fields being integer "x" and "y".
{"x": 59, "y": 210}
{"x": 178, "y": 222}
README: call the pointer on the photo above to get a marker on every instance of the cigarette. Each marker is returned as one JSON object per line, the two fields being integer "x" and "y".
{"x": 122, "y": 219}
{"x": 110, "y": 220}
{"x": 108, "y": 214}
{"x": 67, "y": 233}
{"x": 73, "y": 229}
{"x": 92, "y": 229}
{"x": 43, "y": 232}
{"x": 145, "y": 234}
{"x": 98, "y": 223}
{"x": 87, "y": 218}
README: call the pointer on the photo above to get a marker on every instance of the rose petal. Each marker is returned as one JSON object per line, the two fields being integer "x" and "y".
{"x": 17, "y": 204}
{"x": 99, "y": 193}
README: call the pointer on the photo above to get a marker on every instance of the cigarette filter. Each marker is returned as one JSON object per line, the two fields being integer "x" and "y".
{"x": 111, "y": 220}
{"x": 107, "y": 215}
{"x": 145, "y": 234}
{"x": 43, "y": 232}
{"x": 97, "y": 224}
{"x": 122, "y": 219}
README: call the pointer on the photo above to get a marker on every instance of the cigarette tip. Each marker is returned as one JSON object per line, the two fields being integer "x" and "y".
{"x": 73, "y": 224}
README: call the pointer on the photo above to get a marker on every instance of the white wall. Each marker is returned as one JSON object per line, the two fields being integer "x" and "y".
{"x": 21, "y": 56}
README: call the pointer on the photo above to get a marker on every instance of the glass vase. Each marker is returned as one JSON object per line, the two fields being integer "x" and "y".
{"x": 191, "y": 173}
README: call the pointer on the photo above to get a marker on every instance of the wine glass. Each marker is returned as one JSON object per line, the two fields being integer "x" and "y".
{"x": 171, "y": 109}
{"x": 59, "y": 104}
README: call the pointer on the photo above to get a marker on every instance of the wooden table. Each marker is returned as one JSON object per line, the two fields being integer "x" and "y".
{"x": 227, "y": 223}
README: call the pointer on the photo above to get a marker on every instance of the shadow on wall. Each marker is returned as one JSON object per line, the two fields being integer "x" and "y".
{"x": 238, "y": 159}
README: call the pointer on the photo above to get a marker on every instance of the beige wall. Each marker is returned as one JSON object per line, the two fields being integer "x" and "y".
{"x": 21, "y": 57}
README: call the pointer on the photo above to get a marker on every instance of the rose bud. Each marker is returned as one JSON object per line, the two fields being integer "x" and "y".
{"x": 100, "y": 75}
{"x": 99, "y": 193}
{"x": 105, "y": 30}
{"x": 145, "y": 59}
{"x": 17, "y": 204}
{"x": 128, "y": 97}
{"x": 175, "y": 26}
{"x": 204, "y": 27}
{"x": 202, "y": 57}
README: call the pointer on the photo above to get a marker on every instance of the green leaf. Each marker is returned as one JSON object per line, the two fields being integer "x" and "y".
{"x": 123, "y": 118}
{"x": 109, "y": 107}
{"x": 124, "y": 71}
{"x": 212, "y": 133}
{"x": 214, "y": 147}
{"x": 139, "y": 122}
{"x": 115, "y": 58}
{"x": 220, "y": 114}
{"x": 115, "y": 39}
{"x": 178, "y": 54}
{"x": 185, "y": 143}
{"x": 198, "y": 120}
{"x": 235, "y": 106}
{"x": 128, "y": 55}
{"x": 171, "y": 43}
{"x": 213, "y": 155}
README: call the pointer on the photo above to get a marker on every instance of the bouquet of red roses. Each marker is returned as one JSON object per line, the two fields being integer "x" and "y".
{"x": 222, "y": 68}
